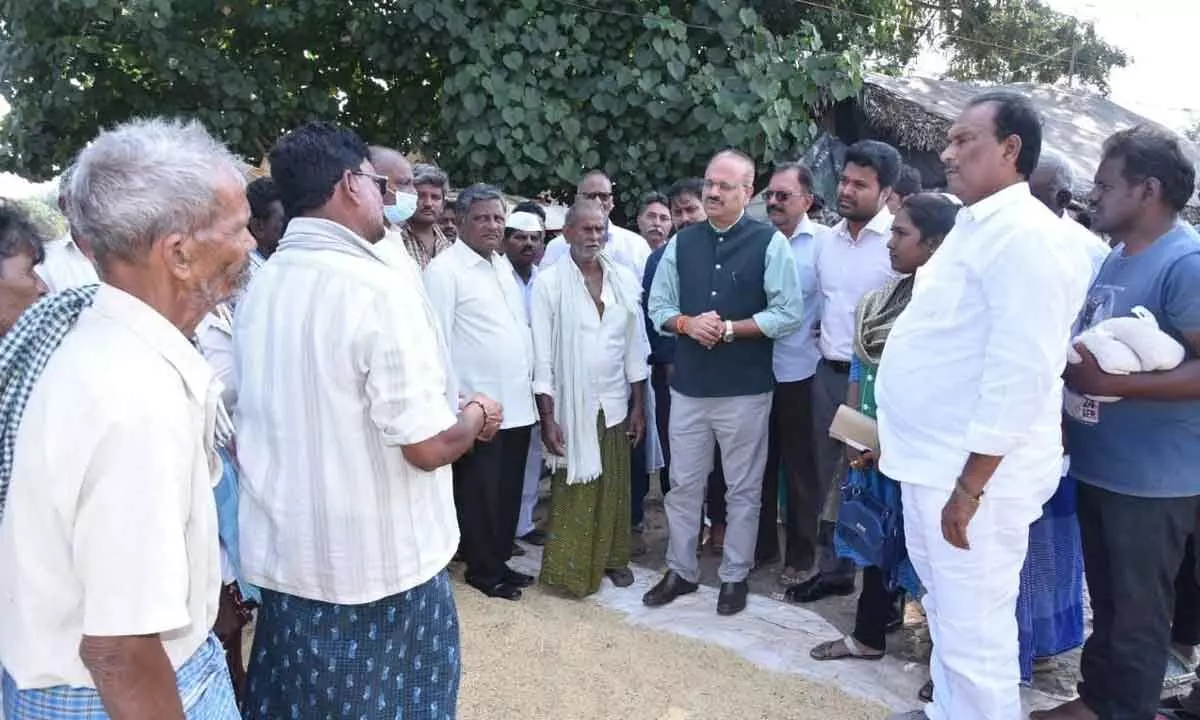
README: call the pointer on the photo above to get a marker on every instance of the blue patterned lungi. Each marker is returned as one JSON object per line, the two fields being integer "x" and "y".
{"x": 392, "y": 659}
{"x": 1050, "y": 604}
{"x": 204, "y": 688}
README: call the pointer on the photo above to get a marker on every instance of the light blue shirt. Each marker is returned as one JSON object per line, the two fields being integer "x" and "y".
{"x": 781, "y": 283}
{"x": 797, "y": 354}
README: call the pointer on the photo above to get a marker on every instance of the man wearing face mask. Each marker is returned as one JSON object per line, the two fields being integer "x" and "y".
{"x": 400, "y": 202}
{"x": 850, "y": 261}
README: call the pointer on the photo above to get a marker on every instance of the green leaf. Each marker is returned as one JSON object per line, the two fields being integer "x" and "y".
{"x": 748, "y": 17}
{"x": 535, "y": 152}
{"x": 512, "y": 60}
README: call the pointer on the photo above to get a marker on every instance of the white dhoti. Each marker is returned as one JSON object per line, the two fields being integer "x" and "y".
{"x": 971, "y": 600}
{"x": 655, "y": 459}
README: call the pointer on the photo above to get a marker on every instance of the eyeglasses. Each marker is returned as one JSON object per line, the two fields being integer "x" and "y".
{"x": 780, "y": 195}
{"x": 601, "y": 196}
{"x": 724, "y": 186}
{"x": 381, "y": 181}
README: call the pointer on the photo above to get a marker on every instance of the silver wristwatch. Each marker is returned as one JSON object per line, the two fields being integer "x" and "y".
{"x": 728, "y": 336}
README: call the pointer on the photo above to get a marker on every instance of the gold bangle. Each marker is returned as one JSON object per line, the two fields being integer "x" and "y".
{"x": 976, "y": 499}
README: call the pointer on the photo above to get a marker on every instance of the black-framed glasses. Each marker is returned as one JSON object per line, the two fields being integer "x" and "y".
{"x": 381, "y": 181}
{"x": 780, "y": 195}
{"x": 599, "y": 196}
{"x": 724, "y": 186}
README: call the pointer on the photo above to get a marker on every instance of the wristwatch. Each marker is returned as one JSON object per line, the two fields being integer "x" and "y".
{"x": 728, "y": 336}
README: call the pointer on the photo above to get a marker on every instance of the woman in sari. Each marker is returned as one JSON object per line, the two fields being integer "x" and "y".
{"x": 919, "y": 227}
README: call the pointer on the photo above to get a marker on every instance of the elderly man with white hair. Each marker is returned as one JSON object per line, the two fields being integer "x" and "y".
{"x": 108, "y": 531}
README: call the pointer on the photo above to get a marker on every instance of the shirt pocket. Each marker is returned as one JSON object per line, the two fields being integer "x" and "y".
{"x": 938, "y": 291}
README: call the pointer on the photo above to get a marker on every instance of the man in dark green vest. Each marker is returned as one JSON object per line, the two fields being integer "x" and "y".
{"x": 726, "y": 288}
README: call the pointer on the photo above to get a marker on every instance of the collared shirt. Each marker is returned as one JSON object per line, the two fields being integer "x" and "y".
{"x": 66, "y": 266}
{"x": 1097, "y": 249}
{"x": 847, "y": 269}
{"x": 784, "y": 311}
{"x": 110, "y": 527}
{"x": 416, "y": 248}
{"x": 339, "y": 367}
{"x": 482, "y": 314}
{"x": 616, "y": 348}
{"x": 796, "y": 354}
{"x": 662, "y": 347}
{"x": 214, "y": 336}
{"x": 986, "y": 336}
{"x": 527, "y": 289}
{"x": 624, "y": 246}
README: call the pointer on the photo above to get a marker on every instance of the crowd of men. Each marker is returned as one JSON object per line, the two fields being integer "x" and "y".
{"x": 301, "y": 397}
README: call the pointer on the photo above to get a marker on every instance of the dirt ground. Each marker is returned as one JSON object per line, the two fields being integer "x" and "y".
{"x": 551, "y": 658}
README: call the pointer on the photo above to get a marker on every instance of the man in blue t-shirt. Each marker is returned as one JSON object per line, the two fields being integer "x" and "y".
{"x": 1136, "y": 459}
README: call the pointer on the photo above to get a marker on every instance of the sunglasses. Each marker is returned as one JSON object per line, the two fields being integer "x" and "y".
{"x": 780, "y": 195}
{"x": 381, "y": 181}
{"x": 723, "y": 186}
{"x": 601, "y": 196}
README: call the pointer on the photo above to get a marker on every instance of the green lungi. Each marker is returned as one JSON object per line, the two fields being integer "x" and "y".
{"x": 589, "y": 522}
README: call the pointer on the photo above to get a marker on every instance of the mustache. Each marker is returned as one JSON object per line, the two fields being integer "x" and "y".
{"x": 774, "y": 208}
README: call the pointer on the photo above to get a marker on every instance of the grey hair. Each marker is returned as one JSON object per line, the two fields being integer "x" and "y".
{"x": 144, "y": 180}
{"x": 1064, "y": 178}
{"x": 477, "y": 193}
{"x": 581, "y": 206}
{"x": 426, "y": 175}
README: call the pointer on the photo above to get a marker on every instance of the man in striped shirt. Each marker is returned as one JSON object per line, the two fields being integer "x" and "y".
{"x": 346, "y": 429}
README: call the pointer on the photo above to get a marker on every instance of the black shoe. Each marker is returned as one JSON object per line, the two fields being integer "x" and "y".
{"x": 517, "y": 579}
{"x": 667, "y": 589}
{"x": 732, "y": 599}
{"x": 818, "y": 587}
{"x": 535, "y": 537}
{"x": 503, "y": 590}
{"x": 621, "y": 577}
{"x": 517, "y": 551}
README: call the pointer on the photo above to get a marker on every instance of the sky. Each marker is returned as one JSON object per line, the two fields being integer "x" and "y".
{"x": 1159, "y": 35}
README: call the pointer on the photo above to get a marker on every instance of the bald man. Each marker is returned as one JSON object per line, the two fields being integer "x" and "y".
{"x": 1051, "y": 183}
{"x": 726, "y": 289}
{"x": 625, "y": 246}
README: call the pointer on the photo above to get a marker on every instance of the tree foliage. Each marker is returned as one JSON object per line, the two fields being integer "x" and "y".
{"x": 524, "y": 93}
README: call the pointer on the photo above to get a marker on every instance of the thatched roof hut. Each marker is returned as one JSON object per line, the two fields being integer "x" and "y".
{"x": 914, "y": 114}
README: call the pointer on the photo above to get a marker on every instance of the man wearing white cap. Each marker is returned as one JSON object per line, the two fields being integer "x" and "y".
{"x": 523, "y": 244}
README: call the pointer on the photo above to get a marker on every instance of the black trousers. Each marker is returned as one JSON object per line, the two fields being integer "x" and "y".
{"x": 790, "y": 444}
{"x": 1132, "y": 548}
{"x": 876, "y": 608}
{"x": 487, "y": 495}
{"x": 662, "y": 418}
{"x": 1185, "y": 628}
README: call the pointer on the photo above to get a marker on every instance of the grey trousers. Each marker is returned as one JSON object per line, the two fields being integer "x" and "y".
{"x": 739, "y": 425}
{"x": 829, "y": 391}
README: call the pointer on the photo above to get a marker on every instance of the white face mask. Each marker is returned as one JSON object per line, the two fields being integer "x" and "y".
{"x": 403, "y": 209}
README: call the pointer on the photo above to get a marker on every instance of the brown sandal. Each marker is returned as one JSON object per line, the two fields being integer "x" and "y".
{"x": 925, "y": 694}
{"x": 844, "y": 649}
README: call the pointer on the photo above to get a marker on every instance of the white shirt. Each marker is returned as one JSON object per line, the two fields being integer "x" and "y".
{"x": 214, "y": 335}
{"x": 338, "y": 368}
{"x": 482, "y": 314}
{"x": 796, "y": 355}
{"x": 66, "y": 266}
{"x": 111, "y": 528}
{"x": 974, "y": 363}
{"x": 847, "y": 269}
{"x": 527, "y": 289}
{"x": 1096, "y": 248}
{"x": 624, "y": 246}
{"x": 616, "y": 344}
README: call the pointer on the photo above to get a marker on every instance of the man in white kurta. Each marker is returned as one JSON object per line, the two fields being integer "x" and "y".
{"x": 969, "y": 395}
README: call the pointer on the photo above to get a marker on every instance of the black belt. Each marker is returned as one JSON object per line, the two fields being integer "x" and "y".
{"x": 838, "y": 366}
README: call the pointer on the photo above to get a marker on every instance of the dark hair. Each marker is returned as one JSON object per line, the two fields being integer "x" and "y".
{"x": 262, "y": 193}
{"x": 909, "y": 182}
{"x": 477, "y": 193}
{"x": 1149, "y": 152}
{"x": 19, "y": 234}
{"x": 1015, "y": 115}
{"x": 653, "y": 197}
{"x": 687, "y": 186}
{"x": 803, "y": 174}
{"x": 309, "y": 162}
{"x": 933, "y": 214}
{"x": 451, "y": 205}
{"x": 818, "y": 204}
{"x": 884, "y": 159}
{"x": 530, "y": 206}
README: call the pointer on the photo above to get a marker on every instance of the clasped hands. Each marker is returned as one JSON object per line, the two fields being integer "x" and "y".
{"x": 493, "y": 415}
{"x": 707, "y": 329}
